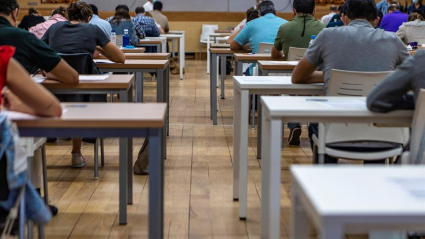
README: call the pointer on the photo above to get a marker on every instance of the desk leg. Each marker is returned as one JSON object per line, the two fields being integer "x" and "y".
{"x": 167, "y": 96}
{"x": 264, "y": 72}
{"x": 213, "y": 78}
{"x": 236, "y": 141}
{"x": 159, "y": 85}
{"x": 270, "y": 191}
{"x": 239, "y": 67}
{"x": 182, "y": 55}
{"x": 259, "y": 130}
{"x": 208, "y": 55}
{"x": 211, "y": 92}
{"x": 156, "y": 185}
{"x": 299, "y": 221}
{"x": 243, "y": 153}
{"x": 172, "y": 46}
{"x": 223, "y": 75}
{"x": 123, "y": 180}
{"x": 159, "y": 48}
{"x": 139, "y": 86}
{"x": 332, "y": 230}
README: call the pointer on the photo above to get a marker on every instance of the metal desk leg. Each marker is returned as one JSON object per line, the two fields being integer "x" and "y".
{"x": 236, "y": 141}
{"x": 167, "y": 96}
{"x": 223, "y": 75}
{"x": 270, "y": 173}
{"x": 22, "y": 216}
{"x": 239, "y": 68}
{"x": 172, "y": 46}
{"x": 156, "y": 185}
{"x": 123, "y": 180}
{"x": 299, "y": 220}
{"x": 213, "y": 77}
{"x": 259, "y": 130}
{"x": 243, "y": 153}
{"x": 211, "y": 91}
{"x": 96, "y": 159}
{"x": 182, "y": 55}
{"x": 30, "y": 160}
{"x": 159, "y": 85}
{"x": 159, "y": 48}
{"x": 139, "y": 86}
{"x": 208, "y": 55}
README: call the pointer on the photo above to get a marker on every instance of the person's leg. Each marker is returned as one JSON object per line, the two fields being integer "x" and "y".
{"x": 294, "y": 134}
{"x": 78, "y": 160}
{"x": 142, "y": 162}
{"x": 314, "y": 129}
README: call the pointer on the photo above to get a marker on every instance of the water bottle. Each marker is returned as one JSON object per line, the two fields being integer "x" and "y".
{"x": 312, "y": 40}
{"x": 113, "y": 37}
{"x": 125, "y": 39}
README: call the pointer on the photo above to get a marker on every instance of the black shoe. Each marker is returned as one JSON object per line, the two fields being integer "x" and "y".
{"x": 52, "y": 140}
{"x": 54, "y": 210}
{"x": 294, "y": 136}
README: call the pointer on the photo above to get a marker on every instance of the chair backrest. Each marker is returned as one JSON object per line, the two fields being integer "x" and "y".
{"x": 265, "y": 47}
{"x": 417, "y": 140}
{"x": 207, "y": 30}
{"x": 81, "y": 62}
{"x": 295, "y": 54}
{"x": 353, "y": 83}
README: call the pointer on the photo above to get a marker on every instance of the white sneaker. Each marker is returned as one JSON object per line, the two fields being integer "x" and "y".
{"x": 78, "y": 160}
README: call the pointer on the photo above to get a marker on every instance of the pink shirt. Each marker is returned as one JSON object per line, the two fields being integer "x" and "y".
{"x": 39, "y": 29}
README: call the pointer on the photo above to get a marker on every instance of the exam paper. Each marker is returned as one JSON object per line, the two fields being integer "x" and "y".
{"x": 103, "y": 61}
{"x": 93, "y": 78}
{"x": 292, "y": 63}
{"x": 344, "y": 104}
{"x": 39, "y": 79}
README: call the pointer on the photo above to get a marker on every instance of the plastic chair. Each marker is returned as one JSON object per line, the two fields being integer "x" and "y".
{"x": 206, "y": 31}
{"x": 295, "y": 54}
{"x": 416, "y": 155}
{"x": 83, "y": 64}
{"x": 265, "y": 48}
{"x": 340, "y": 140}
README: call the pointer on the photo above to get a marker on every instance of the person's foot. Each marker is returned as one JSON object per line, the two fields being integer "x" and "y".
{"x": 51, "y": 140}
{"x": 78, "y": 160}
{"x": 54, "y": 210}
{"x": 294, "y": 136}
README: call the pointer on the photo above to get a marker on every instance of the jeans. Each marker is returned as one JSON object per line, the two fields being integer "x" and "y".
{"x": 314, "y": 129}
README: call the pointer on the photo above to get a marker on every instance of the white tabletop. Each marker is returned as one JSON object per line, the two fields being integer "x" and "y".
{"x": 271, "y": 82}
{"x": 361, "y": 191}
{"x": 348, "y": 109}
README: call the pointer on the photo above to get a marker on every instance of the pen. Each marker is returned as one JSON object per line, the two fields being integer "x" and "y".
{"x": 316, "y": 99}
{"x": 36, "y": 73}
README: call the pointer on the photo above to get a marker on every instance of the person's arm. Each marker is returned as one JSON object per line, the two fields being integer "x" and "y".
{"x": 167, "y": 27}
{"x": 112, "y": 52}
{"x": 276, "y": 54}
{"x": 26, "y": 96}
{"x": 305, "y": 73}
{"x": 241, "y": 39}
{"x": 234, "y": 34}
{"x": 161, "y": 31}
{"x": 155, "y": 29}
{"x": 278, "y": 42}
{"x": 64, "y": 73}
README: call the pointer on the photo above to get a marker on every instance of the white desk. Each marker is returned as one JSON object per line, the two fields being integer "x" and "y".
{"x": 182, "y": 52}
{"x": 243, "y": 87}
{"x": 356, "y": 199}
{"x": 159, "y": 42}
{"x": 213, "y": 35}
{"x": 301, "y": 109}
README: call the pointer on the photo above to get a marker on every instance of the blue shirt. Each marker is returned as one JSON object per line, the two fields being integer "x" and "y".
{"x": 263, "y": 29}
{"x": 145, "y": 27}
{"x": 102, "y": 24}
{"x": 383, "y": 7}
{"x": 124, "y": 24}
{"x": 412, "y": 8}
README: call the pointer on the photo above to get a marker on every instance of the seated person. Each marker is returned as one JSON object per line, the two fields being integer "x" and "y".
{"x": 412, "y": 30}
{"x": 145, "y": 26}
{"x": 393, "y": 92}
{"x": 102, "y": 24}
{"x": 121, "y": 21}
{"x": 33, "y": 18}
{"x": 159, "y": 17}
{"x": 336, "y": 19}
{"x": 394, "y": 19}
{"x": 368, "y": 50}
{"x": 121, "y": 6}
{"x": 251, "y": 14}
{"x": 297, "y": 33}
{"x": 78, "y": 36}
{"x": 58, "y": 15}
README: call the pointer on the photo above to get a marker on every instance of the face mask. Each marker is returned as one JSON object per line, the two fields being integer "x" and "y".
{"x": 415, "y": 1}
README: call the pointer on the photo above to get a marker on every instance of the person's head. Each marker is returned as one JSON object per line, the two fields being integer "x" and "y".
{"x": 140, "y": 10}
{"x": 80, "y": 12}
{"x": 61, "y": 11}
{"x": 252, "y": 14}
{"x": 333, "y": 8}
{"x": 417, "y": 2}
{"x": 120, "y": 15}
{"x": 10, "y": 10}
{"x": 380, "y": 15}
{"x": 94, "y": 9}
{"x": 339, "y": 9}
{"x": 304, "y": 7}
{"x": 415, "y": 16}
{"x": 266, "y": 7}
{"x": 393, "y": 7}
{"x": 33, "y": 12}
{"x": 342, "y": 13}
{"x": 157, "y": 5}
{"x": 122, "y": 6}
{"x": 361, "y": 9}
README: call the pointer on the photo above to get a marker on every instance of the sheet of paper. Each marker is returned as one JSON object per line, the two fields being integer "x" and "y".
{"x": 93, "y": 78}
{"x": 292, "y": 63}
{"x": 103, "y": 61}
{"x": 12, "y": 115}
{"x": 39, "y": 79}
{"x": 413, "y": 186}
{"x": 344, "y": 104}
{"x": 257, "y": 80}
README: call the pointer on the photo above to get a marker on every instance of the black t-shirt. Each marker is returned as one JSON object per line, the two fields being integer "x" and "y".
{"x": 31, "y": 53}
{"x": 68, "y": 38}
{"x": 29, "y": 21}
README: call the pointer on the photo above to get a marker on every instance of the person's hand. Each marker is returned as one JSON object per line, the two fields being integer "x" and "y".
{"x": 96, "y": 55}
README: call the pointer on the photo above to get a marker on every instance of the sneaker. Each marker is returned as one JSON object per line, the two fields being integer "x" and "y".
{"x": 294, "y": 136}
{"x": 54, "y": 210}
{"x": 78, "y": 160}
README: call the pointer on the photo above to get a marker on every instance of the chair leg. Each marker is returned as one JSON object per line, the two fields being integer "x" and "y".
{"x": 96, "y": 159}
{"x": 45, "y": 185}
{"x": 200, "y": 51}
{"x": 315, "y": 155}
{"x": 111, "y": 98}
{"x": 40, "y": 231}
{"x": 253, "y": 112}
{"x": 102, "y": 153}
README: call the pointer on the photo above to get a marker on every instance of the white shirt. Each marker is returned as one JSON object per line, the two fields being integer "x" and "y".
{"x": 148, "y": 6}
{"x": 327, "y": 18}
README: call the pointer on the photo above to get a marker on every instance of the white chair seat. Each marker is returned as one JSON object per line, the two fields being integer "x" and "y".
{"x": 363, "y": 155}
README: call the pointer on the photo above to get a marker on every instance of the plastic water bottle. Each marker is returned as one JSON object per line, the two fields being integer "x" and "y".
{"x": 125, "y": 39}
{"x": 312, "y": 40}
{"x": 113, "y": 37}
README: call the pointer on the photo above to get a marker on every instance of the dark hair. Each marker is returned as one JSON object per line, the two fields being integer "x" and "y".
{"x": 252, "y": 14}
{"x": 120, "y": 15}
{"x": 304, "y": 6}
{"x": 8, "y": 6}
{"x": 266, "y": 7}
{"x": 394, "y": 7}
{"x": 333, "y": 8}
{"x": 140, "y": 10}
{"x": 157, "y": 5}
{"x": 94, "y": 9}
{"x": 32, "y": 11}
{"x": 122, "y": 6}
{"x": 380, "y": 15}
{"x": 420, "y": 12}
{"x": 340, "y": 8}
{"x": 361, "y": 9}
{"x": 60, "y": 10}
{"x": 415, "y": 15}
{"x": 79, "y": 11}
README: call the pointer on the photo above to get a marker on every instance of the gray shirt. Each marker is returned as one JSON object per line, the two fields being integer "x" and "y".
{"x": 356, "y": 47}
{"x": 392, "y": 92}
